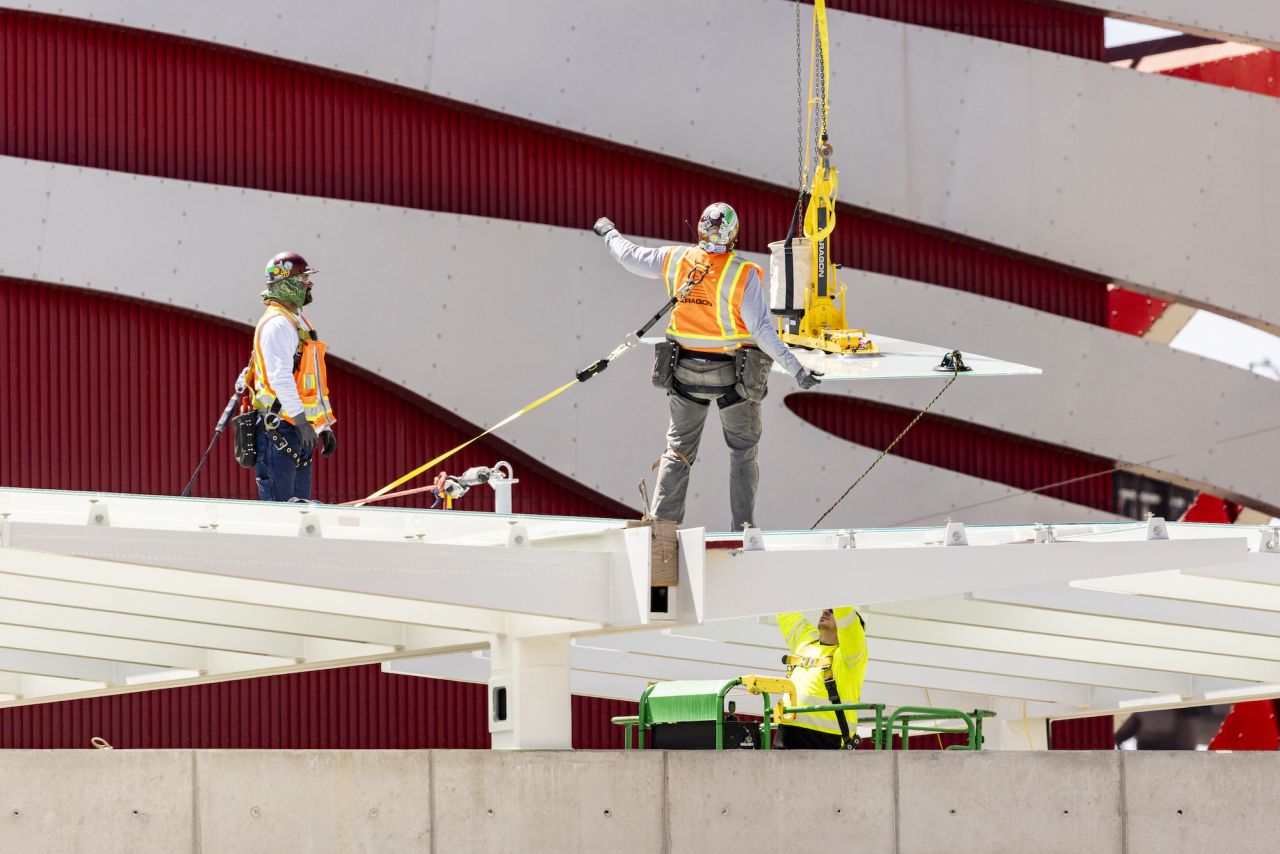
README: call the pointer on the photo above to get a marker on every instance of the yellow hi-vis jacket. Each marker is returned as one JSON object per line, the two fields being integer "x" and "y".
{"x": 309, "y": 373}
{"x": 848, "y": 662}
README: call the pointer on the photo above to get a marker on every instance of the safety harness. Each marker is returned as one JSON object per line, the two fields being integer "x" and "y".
{"x": 847, "y": 741}
{"x": 271, "y": 416}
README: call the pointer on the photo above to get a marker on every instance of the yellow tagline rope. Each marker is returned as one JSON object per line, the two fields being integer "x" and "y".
{"x": 382, "y": 493}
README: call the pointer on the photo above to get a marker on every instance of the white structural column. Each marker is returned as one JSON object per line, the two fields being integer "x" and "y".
{"x": 529, "y": 695}
{"x": 1023, "y": 148}
{"x": 1101, "y": 391}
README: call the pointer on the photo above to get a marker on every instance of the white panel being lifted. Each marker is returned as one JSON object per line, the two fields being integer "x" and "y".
{"x": 898, "y": 360}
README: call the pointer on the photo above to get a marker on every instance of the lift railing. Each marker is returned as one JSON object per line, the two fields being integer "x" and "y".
{"x": 691, "y": 714}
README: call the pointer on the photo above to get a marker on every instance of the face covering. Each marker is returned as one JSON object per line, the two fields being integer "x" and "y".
{"x": 292, "y": 289}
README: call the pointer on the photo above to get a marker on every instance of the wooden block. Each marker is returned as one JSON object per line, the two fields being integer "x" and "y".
{"x": 664, "y": 565}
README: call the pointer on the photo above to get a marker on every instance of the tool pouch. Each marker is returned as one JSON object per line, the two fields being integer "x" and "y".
{"x": 244, "y": 438}
{"x": 664, "y": 364}
{"x": 753, "y": 368}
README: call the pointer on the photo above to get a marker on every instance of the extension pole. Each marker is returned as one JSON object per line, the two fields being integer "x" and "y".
{"x": 217, "y": 431}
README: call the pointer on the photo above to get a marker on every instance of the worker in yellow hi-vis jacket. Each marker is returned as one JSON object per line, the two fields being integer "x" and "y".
{"x": 827, "y": 665}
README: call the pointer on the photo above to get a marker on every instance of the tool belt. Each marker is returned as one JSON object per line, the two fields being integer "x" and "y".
{"x": 244, "y": 438}
{"x": 750, "y": 374}
{"x": 245, "y": 427}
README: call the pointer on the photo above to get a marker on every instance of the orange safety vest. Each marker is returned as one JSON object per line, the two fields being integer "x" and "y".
{"x": 709, "y": 318}
{"x": 308, "y": 370}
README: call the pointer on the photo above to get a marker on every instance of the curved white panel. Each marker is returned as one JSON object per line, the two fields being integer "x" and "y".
{"x": 390, "y": 40}
{"x": 1252, "y": 21}
{"x": 502, "y": 313}
{"x": 1105, "y": 392}
{"x": 1149, "y": 180}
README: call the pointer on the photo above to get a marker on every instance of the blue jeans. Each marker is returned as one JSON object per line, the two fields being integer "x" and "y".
{"x": 279, "y": 478}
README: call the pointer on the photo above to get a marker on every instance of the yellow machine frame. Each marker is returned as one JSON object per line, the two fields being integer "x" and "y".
{"x": 823, "y": 325}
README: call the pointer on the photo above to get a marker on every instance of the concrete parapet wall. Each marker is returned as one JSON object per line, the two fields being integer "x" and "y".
{"x": 616, "y": 802}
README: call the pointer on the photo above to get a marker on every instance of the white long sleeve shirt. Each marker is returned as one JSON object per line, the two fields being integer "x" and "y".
{"x": 278, "y": 338}
{"x": 755, "y": 308}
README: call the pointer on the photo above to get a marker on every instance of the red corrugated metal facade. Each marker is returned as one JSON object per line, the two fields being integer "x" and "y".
{"x": 1075, "y": 32}
{"x": 113, "y": 98}
{"x": 1258, "y": 73}
{"x": 108, "y": 97}
{"x": 967, "y": 448}
{"x": 348, "y": 708}
{"x": 1096, "y": 733}
{"x": 148, "y": 384}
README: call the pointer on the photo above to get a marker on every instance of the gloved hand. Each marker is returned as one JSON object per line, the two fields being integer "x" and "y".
{"x": 241, "y": 382}
{"x": 808, "y": 379}
{"x": 328, "y": 443}
{"x": 306, "y": 434}
{"x": 603, "y": 226}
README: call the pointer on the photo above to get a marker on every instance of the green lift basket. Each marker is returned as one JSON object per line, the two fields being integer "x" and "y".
{"x": 690, "y": 715}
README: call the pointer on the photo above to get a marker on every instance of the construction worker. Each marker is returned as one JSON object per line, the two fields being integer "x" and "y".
{"x": 289, "y": 384}
{"x": 721, "y": 343}
{"x": 827, "y": 665}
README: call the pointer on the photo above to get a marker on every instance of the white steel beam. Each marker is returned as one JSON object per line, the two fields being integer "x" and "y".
{"x": 26, "y": 686}
{"x": 743, "y": 583}
{"x": 84, "y": 645}
{"x": 1064, "y": 597}
{"x": 1189, "y": 588}
{"x": 330, "y": 605}
{"x": 901, "y": 648}
{"x": 735, "y": 660}
{"x": 543, "y": 582}
{"x": 1078, "y": 649}
{"x": 1132, "y": 632}
{"x": 308, "y": 626}
{"x": 162, "y": 630}
{"x": 74, "y": 668}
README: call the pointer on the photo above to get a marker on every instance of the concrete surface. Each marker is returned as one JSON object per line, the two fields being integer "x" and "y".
{"x": 313, "y": 800}
{"x": 1201, "y": 802}
{"x": 736, "y": 801}
{"x": 1009, "y": 802}
{"x": 527, "y": 801}
{"x": 99, "y": 801}
{"x": 617, "y": 803}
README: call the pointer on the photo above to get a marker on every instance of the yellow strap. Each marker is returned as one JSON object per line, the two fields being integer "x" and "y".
{"x": 447, "y": 454}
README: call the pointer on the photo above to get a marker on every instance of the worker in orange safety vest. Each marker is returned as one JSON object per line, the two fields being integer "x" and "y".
{"x": 288, "y": 384}
{"x": 721, "y": 344}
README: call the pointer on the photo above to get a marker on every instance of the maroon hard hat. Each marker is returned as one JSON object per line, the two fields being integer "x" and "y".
{"x": 287, "y": 264}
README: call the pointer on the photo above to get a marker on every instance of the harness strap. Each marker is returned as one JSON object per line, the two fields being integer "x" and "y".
{"x": 728, "y": 395}
{"x": 833, "y": 693}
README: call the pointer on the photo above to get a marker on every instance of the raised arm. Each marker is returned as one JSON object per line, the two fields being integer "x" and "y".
{"x": 853, "y": 637}
{"x": 637, "y": 259}
{"x": 797, "y": 632}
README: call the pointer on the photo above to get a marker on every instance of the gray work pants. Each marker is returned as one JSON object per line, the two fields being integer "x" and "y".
{"x": 742, "y": 426}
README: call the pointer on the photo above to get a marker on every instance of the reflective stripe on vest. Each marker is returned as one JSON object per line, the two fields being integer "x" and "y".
{"x": 710, "y": 317}
{"x": 310, "y": 375}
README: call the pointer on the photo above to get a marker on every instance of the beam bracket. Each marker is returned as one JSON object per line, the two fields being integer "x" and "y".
{"x": 99, "y": 513}
{"x": 309, "y": 525}
{"x": 1157, "y": 529}
{"x": 955, "y": 535}
{"x": 1270, "y": 542}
